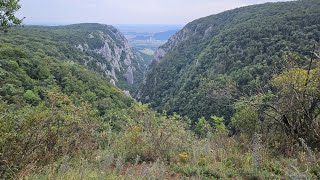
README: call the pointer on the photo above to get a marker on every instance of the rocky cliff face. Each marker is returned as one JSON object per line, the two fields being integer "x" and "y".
{"x": 201, "y": 30}
{"x": 172, "y": 43}
{"x": 120, "y": 56}
{"x": 122, "y": 63}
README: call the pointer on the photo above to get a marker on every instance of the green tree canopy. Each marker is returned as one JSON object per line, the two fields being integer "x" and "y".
{"x": 8, "y": 8}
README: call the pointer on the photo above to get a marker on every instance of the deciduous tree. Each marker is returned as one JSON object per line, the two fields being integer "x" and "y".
{"x": 8, "y": 8}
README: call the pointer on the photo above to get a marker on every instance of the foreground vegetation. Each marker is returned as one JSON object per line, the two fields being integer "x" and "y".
{"x": 147, "y": 145}
{"x": 61, "y": 120}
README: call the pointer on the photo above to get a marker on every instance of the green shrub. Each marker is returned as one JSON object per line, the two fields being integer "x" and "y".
{"x": 37, "y": 136}
{"x": 31, "y": 97}
{"x": 152, "y": 136}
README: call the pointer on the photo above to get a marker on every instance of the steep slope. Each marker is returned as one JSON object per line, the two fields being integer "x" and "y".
{"x": 33, "y": 68}
{"x": 215, "y": 60}
{"x": 105, "y": 49}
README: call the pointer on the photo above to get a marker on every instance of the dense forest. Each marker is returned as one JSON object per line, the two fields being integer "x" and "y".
{"x": 101, "y": 48}
{"x": 235, "y": 95}
{"x": 217, "y": 59}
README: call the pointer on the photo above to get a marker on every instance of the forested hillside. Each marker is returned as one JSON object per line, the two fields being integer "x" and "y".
{"x": 214, "y": 60}
{"x": 101, "y": 48}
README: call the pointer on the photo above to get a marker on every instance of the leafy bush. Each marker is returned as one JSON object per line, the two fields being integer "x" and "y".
{"x": 31, "y": 97}
{"x": 152, "y": 136}
{"x": 40, "y": 135}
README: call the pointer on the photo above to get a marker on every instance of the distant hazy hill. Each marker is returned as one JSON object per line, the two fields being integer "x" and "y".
{"x": 146, "y": 28}
{"x": 147, "y": 38}
{"x": 216, "y": 59}
{"x": 164, "y": 35}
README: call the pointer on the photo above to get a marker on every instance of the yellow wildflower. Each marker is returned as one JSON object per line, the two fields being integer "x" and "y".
{"x": 183, "y": 156}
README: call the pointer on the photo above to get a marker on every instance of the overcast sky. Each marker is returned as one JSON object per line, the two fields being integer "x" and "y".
{"x": 124, "y": 11}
